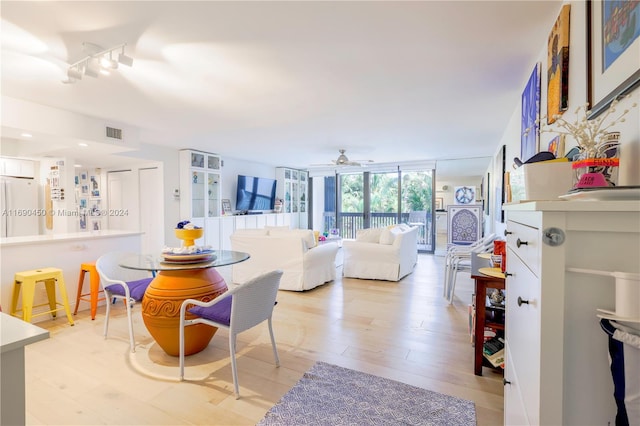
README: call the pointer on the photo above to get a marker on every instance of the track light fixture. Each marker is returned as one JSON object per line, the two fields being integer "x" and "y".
{"x": 100, "y": 62}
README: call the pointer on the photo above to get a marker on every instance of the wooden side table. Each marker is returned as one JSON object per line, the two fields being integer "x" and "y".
{"x": 482, "y": 283}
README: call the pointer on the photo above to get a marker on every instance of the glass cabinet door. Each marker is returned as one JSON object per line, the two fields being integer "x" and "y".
{"x": 197, "y": 160}
{"x": 213, "y": 162}
{"x": 294, "y": 196}
{"x": 197, "y": 194}
{"x": 287, "y": 196}
{"x": 212, "y": 193}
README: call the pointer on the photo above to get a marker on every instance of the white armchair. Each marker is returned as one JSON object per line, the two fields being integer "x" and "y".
{"x": 381, "y": 254}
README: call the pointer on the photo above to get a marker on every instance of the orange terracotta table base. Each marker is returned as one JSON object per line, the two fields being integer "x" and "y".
{"x": 161, "y": 307}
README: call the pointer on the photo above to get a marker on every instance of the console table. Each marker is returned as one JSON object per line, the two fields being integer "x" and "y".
{"x": 15, "y": 334}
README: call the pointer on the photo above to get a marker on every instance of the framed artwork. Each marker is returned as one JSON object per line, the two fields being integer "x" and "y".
{"x": 226, "y": 207}
{"x": 556, "y": 146}
{"x": 485, "y": 195}
{"x": 558, "y": 66}
{"x": 94, "y": 186}
{"x": 530, "y": 136}
{"x": 439, "y": 203}
{"x": 498, "y": 173}
{"x": 613, "y": 48}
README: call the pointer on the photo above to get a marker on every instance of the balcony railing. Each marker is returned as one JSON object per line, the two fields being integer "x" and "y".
{"x": 351, "y": 222}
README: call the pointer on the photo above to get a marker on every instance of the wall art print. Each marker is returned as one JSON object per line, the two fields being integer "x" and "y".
{"x": 530, "y": 115}
{"x": 498, "y": 172}
{"x": 613, "y": 51}
{"x": 556, "y": 146}
{"x": 558, "y": 66}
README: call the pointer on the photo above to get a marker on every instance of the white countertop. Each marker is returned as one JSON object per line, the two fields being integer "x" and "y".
{"x": 15, "y": 333}
{"x": 575, "y": 206}
{"x": 71, "y": 236}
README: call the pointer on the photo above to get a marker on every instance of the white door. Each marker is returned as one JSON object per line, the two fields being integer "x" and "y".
{"x": 151, "y": 210}
{"x": 122, "y": 201}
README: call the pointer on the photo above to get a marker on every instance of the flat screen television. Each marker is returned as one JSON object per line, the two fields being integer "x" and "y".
{"x": 255, "y": 193}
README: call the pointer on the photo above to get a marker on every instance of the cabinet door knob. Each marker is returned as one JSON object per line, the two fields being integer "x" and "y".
{"x": 505, "y": 382}
{"x": 521, "y": 243}
{"x": 507, "y": 233}
{"x": 521, "y": 301}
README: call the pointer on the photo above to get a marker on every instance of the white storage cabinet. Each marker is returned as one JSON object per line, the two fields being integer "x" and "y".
{"x": 557, "y": 369}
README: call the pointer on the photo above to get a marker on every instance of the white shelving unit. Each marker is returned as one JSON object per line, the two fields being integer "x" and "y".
{"x": 200, "y": 192}
{"x": 293, "y": 189}
{"x": 200, "y": 185}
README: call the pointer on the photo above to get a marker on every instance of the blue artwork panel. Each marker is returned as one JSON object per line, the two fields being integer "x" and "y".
{"x": 530, "y": 115}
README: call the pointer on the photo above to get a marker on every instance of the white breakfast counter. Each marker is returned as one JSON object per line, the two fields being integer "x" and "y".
{"x": 64, "y": 251}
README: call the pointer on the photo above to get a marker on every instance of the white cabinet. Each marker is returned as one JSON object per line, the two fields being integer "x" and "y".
{"x": 292, "y": 188}
{"x": 200, "y": 185}
{"x": 557, "y": 368}
{"x": 17, "y": 167}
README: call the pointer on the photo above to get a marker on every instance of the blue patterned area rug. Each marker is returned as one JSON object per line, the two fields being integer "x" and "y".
{"x": 332, "y": 395}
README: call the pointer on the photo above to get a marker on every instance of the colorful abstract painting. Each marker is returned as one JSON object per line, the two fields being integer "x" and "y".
{"x": 530, "y": 114}
{"x": 620, "y": 28}
{"x": 558, "y": 66}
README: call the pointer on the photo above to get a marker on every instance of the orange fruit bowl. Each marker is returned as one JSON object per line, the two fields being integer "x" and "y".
{"x": 188, "y": 236}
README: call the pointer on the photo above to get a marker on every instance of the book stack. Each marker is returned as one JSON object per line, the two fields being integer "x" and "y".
{"x": 493, "y": 351}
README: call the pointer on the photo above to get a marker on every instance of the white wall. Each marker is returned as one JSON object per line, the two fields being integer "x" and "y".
{"x": 629, "y": 173}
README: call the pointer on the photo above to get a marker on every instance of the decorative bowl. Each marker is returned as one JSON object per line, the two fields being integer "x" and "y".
{"x": 188, "y": 236}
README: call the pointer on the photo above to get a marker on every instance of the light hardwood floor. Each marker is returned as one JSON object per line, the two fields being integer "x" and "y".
{"x": 403, "y": 331}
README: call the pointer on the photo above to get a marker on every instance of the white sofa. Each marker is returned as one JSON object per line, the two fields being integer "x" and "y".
{"x": 381, "y": 253}
{"x": 294, "y": 251}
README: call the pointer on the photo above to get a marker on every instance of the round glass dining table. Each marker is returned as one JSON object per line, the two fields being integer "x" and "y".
{"x": 175, "y": 282}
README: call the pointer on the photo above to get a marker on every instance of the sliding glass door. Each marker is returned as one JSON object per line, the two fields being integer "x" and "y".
{"x": 379, "y": 199}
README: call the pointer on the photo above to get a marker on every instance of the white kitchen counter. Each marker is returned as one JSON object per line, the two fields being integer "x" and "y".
{"x": 64, "y": 251}
{"x": 71, "y": 236}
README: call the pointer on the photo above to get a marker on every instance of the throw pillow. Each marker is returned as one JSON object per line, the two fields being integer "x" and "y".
{"x": 306, "y": 234}
{"x": 369, "y": 235}
{"x": 387, "y": 237}
{"x": 252, "y": 231}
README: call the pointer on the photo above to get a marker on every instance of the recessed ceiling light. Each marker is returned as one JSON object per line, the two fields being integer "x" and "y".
{"x": 82, "y": 144}
{"x": 26, "y": 135}
{"x": 77, "y": 166}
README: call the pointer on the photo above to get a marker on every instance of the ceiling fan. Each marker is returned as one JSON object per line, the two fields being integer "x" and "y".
{"x": 343, "y": 160}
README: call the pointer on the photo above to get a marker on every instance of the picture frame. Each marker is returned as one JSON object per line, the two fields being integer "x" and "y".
{"x": 94, "y": 186}
{"x": 606, "y": 61}
{"x": 439, "y": 203}
{"x": 499, "y": 170}
{"x": 530, "y": 125}
{"x": 558, "y": 66}
{"x": 556, "y": 146}
{"x": 485, "y": 195}
{"x": 226, "y": 207}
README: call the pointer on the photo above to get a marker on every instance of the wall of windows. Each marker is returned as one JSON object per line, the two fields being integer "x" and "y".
{"x": 370, "y": 199}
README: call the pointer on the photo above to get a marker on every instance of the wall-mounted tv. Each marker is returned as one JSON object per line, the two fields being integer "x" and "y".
{"x": 255, "y": 193}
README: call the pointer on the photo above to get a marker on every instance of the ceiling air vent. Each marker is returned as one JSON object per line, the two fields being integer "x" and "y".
{"x": 114, "y": 133}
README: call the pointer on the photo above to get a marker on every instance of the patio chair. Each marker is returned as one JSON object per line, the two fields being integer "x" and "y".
{"x": 237, "y": 310}
{"x": 121, "y": 283}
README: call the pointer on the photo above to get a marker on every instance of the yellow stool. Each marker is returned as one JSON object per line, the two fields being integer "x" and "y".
{"x": 94, "y": 288}
{"x": 27, "y": 281}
